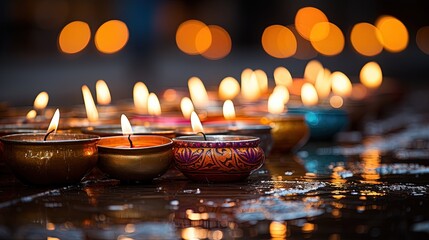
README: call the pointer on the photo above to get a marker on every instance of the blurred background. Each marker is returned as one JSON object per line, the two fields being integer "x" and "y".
{"x": 58, "y": 45}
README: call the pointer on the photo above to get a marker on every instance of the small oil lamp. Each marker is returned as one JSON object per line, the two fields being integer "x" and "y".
{"x": 50, "y": 158}
{"x": 134, "y": 158}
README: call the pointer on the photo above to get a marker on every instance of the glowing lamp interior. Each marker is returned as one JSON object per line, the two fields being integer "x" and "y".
{"x": 153, "y": 105}
{"x": 187, "y": 107}
{"x": 54, "y": 122}
{"x": 371, "y": 75}
{"x": 198, "y": 92}
{"x": 228, "y": 110}
{"x": 102, "y": 92}
{"x": 91, "y": 109}
{"x": 126, "y": 125}
{"x": 309, "y": 95}
{"x": 229, "y": 88}
{"x": 140, "y": 95}
{"x": 41, "y": 101}
{"x": 275, "y": 104}
{"x": 341, "y": 84}
{"x": 196, "y": 123}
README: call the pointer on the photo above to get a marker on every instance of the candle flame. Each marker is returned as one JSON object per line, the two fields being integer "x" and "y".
{"x": 282, "y": 92}
{"x": 309, "y": 95}
{"x": 187, "y": 107}
{"x": 341, "y": 84}
{"x": 54, "y": 122}
{"x": 371, "y": 75}
{"x": 102, "y": 92}
{"x": 228, "y": 110}
{"x": 311, "y": 70}
{"x": 41, "y": 101}
{"x": 275, "y": 103}
{"x": 282, "y": 76}
{"x": 196, "y": 123}
{"x": 323, "y": 83}
{"x": 91, "y": 109}
{"x": 229, "y": 88}
{"x": 198, "y": 92}
{"x": 250, "y": 87}
{"x": 31, "y": 114}
{"x": 126, "y": 126}
{"x": 140, "y": 95}
{"x": 153, "y": 105}
{"x": 262, "y": 78}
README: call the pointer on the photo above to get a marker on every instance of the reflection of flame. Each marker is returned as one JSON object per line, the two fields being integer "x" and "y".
{"x": 126, "y": 125}
{"x": 228, "y": 110}
{"x": 196, "y": 123}
{"x": 153, "y": 105}
{"x": 275, "y": 103}
{"x": 229, "y": 88}
{"x": 278, "y": 230}
{"x": 140, "y": 94}
{"x": 371, "y": 161}
{"x": 31, "y": 114}
{"x": 41, "y": 101}
{"x": 187, "y": 107}
{"x": 102, "y": 92}
{"x": 54, "y": 122}
{"x": 341, "y": 84}
{"x": 198, "y": 92}
{"x": 371, "y": 75}
{"x": 309, "y": 95}
{"x": 250, "y": 87}
{"x": 91, "y": 109}
{"x": 282, "y": 76}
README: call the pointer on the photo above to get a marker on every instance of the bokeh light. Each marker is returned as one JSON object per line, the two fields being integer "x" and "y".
{"x": 221, "y": 43}
{"x": 371, "y": 75}
{"x": 306, "y": 18}
{"x": 282, "y": 76}
{"x": 422, "y": 39}
{"x": 365, "y": 39}
{"x": 279, "y": 41}
{"x": 332, "y": 44}
{"x": 111, "y": 36}
{"x": 393, "y": 32}
{"x": 193, "y": 37}
{"x": 74, "y": 37}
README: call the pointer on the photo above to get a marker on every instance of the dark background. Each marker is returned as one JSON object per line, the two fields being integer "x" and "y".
{"x": 30, "y": 61}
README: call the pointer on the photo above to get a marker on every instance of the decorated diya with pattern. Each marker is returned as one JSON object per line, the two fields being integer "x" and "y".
{"x": 217, "y": 158}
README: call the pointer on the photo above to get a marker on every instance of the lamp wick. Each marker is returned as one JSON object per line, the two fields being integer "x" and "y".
{"x": 131, "y": 142}
{"x": 204, "y": 135}
{"x": 47, "y": 134}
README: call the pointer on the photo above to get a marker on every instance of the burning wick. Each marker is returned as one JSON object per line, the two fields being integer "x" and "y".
{"x": 204, "y": 135}
{"x": 53, "y": 125}
{"x": 131, "y": 142}
{"x": 47, "y": 134}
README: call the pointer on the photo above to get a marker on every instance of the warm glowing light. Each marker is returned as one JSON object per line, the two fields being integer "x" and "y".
{"x": 250, "y": 88}
{"x": 336, "y": 101}
{"x": 31, "y": 114}
{"x": 54, "y": 122}
{"x": 187, "y": 107}
{"x": 228, "y": 110}
{"x": 341, "y": 84}
{"x": 422, "y": 39}
{"x": 262, "y": 80}
{"x": 130, "y": 228}
{"x": 279, "y": 41}
{"x": 393, "y": 32}
{"x": 229, "y": 88}
{"x": 50, "y": 226}
{"x": 140, "y": 95}
{"x": 198, "y": 93}
{"x": 365, "y": 39}
{"x": 371, "y": 75}
{"x": 170, "y": 95}
{"x": 102, "y": 92}
{"x": 305, "y": 20}
{"x": 332, "y": 44}
{"x": 308, "y": 227}
{"x": 275, "y": 104}
{"x": 193, "y": 37}
{"x": 282, "y": 92}
{"x": 278, "y": 230}
{"x": 41, "y": 101}
{"x": 196, "y": 123}
{"x": 126, "y": 126}
{"x": 246, "y": 73}
{"x": 153, "y": 105}
{"x": 111, "y": 37}
{"x": 359, "y": 91}
{"x": 74, "y": 37}
{"x": 220, "y": 45}
{"x": 296, "y": 86}
{"x": 312, "y": 69}
{"x": 323, "y": 83}
{"x": 91, "y": 109}
{"x": 282, "y": 76}
{"x": 309, "y": 95}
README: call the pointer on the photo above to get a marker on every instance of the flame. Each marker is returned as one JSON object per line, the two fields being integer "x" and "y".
{"x": 229, "y": 88}
{"x": 341, "y": 84}
{"x": 196, "y": 123}
{"x": 228, "y": 110}
{"x": 54, "y": 122}
{"x": 311, "y": 70}
{"x": 275, "y": 103}
{"x": 187, "y": 107}
{"x": 282, "y": 92}
{"x": 91, "y": 109}
{"x": 31, "y": 114}
{"x": 262, "y": 78}
{"x": 153, "y": 105}
{"x": 140, "y": 95}
{"x": 102, "y": 92}
{"x": 323, "y": 83}
{"x": 198, "y": 92}
{"x": 309, "y": 95}
{"x": 250, "y": 87}
{"x": 282, "y": 76}
{"x": 126, "y": 125}
{"x": 371, "y": 75}
{"x": 41, "y": 101}
{"x": 336, "y": 101}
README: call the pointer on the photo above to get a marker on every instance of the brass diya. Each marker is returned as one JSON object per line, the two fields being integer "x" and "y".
{"x": 61, "y": 159}
{"x": 150, "y": 157}
{"x": 116, "y": 130}
{"x": 217, "y": 158}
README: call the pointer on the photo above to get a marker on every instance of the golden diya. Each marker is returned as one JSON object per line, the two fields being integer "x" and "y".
{"x": 134, "y": 158}
{"x": 50, "y": 158}
{"x": 216, "y": 158}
